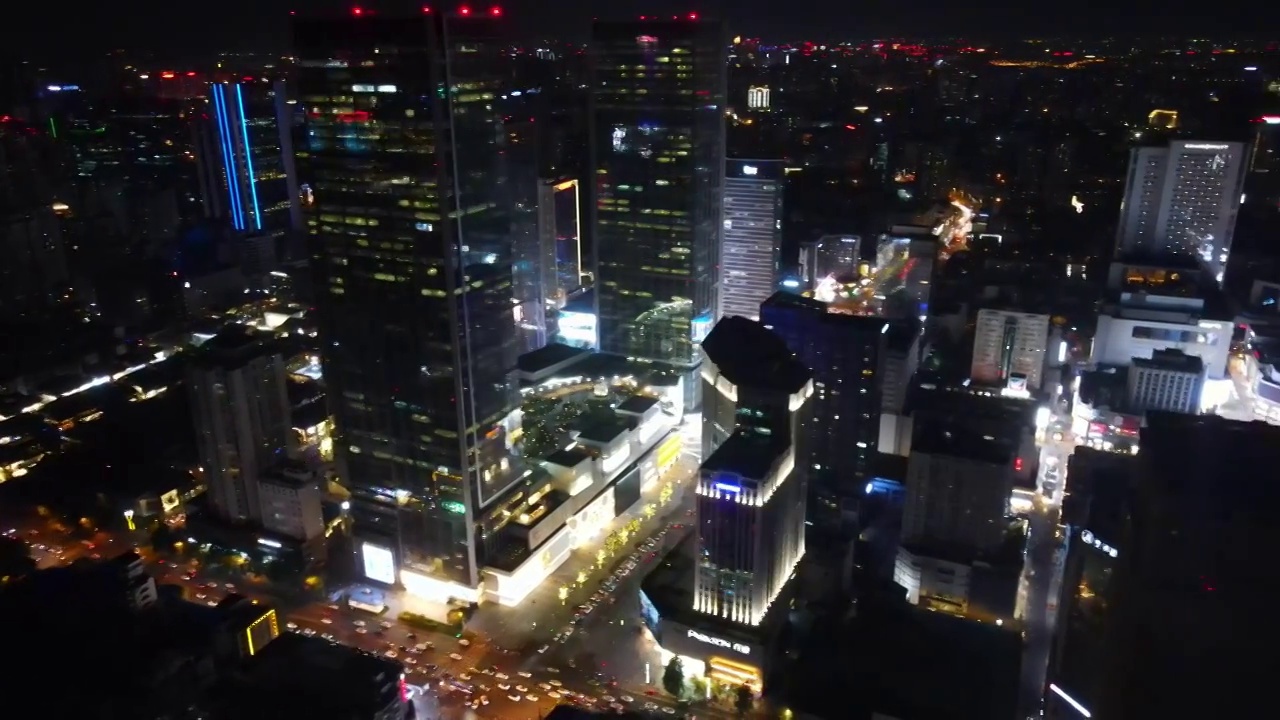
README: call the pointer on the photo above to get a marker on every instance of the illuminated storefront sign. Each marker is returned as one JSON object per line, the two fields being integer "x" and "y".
{"x": 1206, "y": 147}
{"x": 454, "y": 507}
{"x": 1089, "y": 538}
{"x": 719, "y": 642}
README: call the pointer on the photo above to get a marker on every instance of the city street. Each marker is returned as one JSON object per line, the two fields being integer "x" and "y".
{"x": 1042, "y": 574}
{"x": 498, "y": 641}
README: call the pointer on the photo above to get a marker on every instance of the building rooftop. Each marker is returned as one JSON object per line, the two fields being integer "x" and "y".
{"x": 299, "y": 676}
{"x": 569, "y": 457}
{"x": 746, "y": 453}
{"x": 603, "y": 433}
{"x": 940, "y": 440}
{"x": 549, "y": 356}
{"x": 637, "y": 404}
{"x": 233, "y": 347}
{"x": 904, "y": 663}
{"x": 1171, "y": 359}
{"x": 750, "y": 355}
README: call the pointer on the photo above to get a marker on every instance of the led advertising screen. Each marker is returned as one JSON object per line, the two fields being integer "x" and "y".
{"x": 379, "y": 563}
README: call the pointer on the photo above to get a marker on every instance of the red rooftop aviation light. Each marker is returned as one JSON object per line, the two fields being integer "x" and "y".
{"x": 357, "y": 11}
{"x": 495, "y": 11}
{"x": 693, "y": 16}
{"x": 464, "y": 10}
{"x": 426, "y": 9}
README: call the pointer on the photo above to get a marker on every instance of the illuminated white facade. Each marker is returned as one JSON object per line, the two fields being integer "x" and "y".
{"x": 1183, "y": 199}
{"x": 1009, "y": 345}
{"x": 1122, "y": 336}
{"x": 751, "y": 534}
{"x": 751, "y": 490}
{"x": 752, "y": 235}
{"x": 758, "y": 98}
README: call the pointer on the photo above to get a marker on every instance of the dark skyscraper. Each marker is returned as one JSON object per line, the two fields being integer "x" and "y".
{"x": 1191, "y": 613}
{"x": 845, "y": 354}
{"x": 657, "y": 147}
{"x": 410, "y": 246}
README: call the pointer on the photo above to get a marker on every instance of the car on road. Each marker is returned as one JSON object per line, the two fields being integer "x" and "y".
{"x": 554, "y": 683}
{"x": 391, "y": 654}
{"x": 513, "y": 698}
{"x": 504, "y": 686}
{"x": 455, "y": 656}
{"x": 525, "y": 674}
{"x": 522, "y": 689}
{"x": 531, "y": 698}
{"x": 543, "y": 649}
{"x": 502, "y": 676}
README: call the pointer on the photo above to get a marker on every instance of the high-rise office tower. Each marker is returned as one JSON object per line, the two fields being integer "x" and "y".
{"x": 657, "y": 149}
{"x": 411, "y": 250}
{"x": 1009, "y": 349}
{"x": 237, "y": 385}
{"x": 1191, "y": 612}
{"x": 1183, "y": 199}
{"x": 751, "y": 494}
{"x": 844, "y": 353}
{"x": 752, "y": 235}
{"x": 245, "y": 154}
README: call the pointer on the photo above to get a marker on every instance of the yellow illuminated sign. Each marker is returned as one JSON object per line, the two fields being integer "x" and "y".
{"x": 273, "y": 623}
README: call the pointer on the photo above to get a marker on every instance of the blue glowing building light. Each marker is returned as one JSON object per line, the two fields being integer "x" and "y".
{"x": 726, "y": 487}
{"x": 218, "y": 93}
{"x": 248, "y": 159}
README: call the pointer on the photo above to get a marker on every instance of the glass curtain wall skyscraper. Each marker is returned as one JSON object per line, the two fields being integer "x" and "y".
{"x": 657, "y": 147}
{"x": 410, "y": 246}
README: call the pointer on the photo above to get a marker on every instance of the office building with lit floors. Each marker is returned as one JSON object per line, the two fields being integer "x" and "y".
{"x": 1193, "y": 618}
{"x": 717, "y": 600}
{"x": 1183, "y": 199}
{"x": 752, "y": 235}
{"x": 411, "y": 249}
{"x": 1009, "y": 349}
{"x": 657, "y": 144}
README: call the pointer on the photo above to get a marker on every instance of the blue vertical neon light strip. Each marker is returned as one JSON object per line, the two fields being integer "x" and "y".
{"x": 248, "y": 159}
{"x": 228, "y": 154}
{"x": 220, "y": 115}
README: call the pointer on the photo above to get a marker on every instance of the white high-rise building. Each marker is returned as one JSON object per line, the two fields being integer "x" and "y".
{"x": 1009, "y": 346}
{"x": 752, "y": 235}
{"x": 1183, "y": 199}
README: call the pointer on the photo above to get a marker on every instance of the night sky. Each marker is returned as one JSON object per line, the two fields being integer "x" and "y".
{"x": 45, "y": 29}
